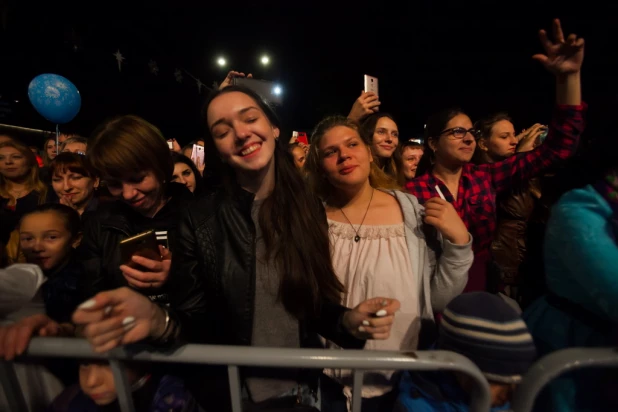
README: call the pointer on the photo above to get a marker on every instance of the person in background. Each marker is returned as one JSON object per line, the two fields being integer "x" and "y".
{"x": 75, "y": 144}
{"x": 21, "y": 190}
{"x": 74, "y": 182}
{"x": 49, "y": 150}
{"x": 381, "y": 130}
{"x": 299, "y": 154}
{"x": 446, "y": 171}
{"x": 488, "y": 331}
{"x": 96, "y": 391}
{"x": 48, "y": 237}
{"x": 186, "y": 173}
{"x": 410, "y": 153}
{"x": 512, "y": 245}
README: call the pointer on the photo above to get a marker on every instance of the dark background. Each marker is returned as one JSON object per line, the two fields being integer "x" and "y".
{"x": 426, "y": 54}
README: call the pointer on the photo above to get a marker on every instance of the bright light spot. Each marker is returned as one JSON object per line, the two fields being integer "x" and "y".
{"x": 265, "y": 60}
{"x": 221, "y": 61}
{"x": 277, "y": 90}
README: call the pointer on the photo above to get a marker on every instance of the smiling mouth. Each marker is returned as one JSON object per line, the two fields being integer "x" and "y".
{"x": 250, "y": 149}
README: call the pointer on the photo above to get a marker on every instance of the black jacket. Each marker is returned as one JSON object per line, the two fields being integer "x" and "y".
{"x": 213, "y": 284}
{"x": 112, "y": 222}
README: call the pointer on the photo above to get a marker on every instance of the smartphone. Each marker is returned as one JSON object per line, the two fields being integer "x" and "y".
{"x": 268, "y": 90}
{"x": 371, "y": 84}
{"x": 144, "y": 244}
{"x": 543, "y": 135}
{"x": 197, "y": 155}
{"x": 170, "y": 144}
{"x": 302, "y": 138}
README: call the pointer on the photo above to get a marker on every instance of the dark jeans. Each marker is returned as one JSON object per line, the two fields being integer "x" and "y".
{"x": 333, "y": 399}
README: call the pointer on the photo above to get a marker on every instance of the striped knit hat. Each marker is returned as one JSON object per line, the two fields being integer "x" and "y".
{"x": 485, "y": 329}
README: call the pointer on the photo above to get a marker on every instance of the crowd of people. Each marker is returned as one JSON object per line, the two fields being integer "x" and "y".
{"x": 357, "y": 239}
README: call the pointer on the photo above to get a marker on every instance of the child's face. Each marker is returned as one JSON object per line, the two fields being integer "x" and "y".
{"x": 97, "y": 382}
{"x": 500, "y": 393}
{"x": 45, "y": 239}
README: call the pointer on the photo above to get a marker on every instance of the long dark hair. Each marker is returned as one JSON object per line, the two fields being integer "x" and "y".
{"x": 293, "y": 225}
{"x": 199, "y": 181}
{"x": 433, "y": 127}
{"x": 367, "y": 129}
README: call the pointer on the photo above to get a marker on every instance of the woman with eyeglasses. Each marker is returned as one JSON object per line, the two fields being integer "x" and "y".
{"x": 446, "y": 171}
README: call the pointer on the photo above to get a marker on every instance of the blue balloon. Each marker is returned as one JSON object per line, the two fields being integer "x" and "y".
{"x": 55, "y": 98}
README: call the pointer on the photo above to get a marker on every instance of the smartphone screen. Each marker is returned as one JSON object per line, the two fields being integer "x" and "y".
{"x": 371, "y": 84}
{"x": 170, "y": 144}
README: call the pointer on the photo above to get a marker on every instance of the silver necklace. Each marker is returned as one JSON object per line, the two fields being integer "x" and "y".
{"x": 357, "y": 237}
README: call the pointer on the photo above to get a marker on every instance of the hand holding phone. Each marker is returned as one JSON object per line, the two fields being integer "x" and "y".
{"x": 371, "y": 84}
{"x": 146, "y": 264}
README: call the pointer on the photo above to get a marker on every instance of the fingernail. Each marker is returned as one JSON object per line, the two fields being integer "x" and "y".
{"x": 127, "y": 320}
{"x": 87, "y": 304}
{"x": 366, "y": 322}
{"x": 381, "y": 313}
{"x": 108, "y": 310}
{"x": 361, "y": 329}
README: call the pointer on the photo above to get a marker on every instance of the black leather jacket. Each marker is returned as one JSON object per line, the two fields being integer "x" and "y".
{"x": 212, "y": 280}
{"x": 212, "y": 290}
{"x": 99, "y": 253}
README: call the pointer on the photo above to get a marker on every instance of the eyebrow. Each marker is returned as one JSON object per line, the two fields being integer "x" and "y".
{"x": 240, "y": 112}
{"x": 345, "y": 141}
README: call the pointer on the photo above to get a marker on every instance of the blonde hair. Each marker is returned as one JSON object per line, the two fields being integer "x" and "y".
{"x": 32, "y": 181}
{"x": 313, "y": 166}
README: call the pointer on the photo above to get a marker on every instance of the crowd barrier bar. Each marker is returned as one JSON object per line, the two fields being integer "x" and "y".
{"x": 555, "y": 364}
{"x": 237, "y": 356}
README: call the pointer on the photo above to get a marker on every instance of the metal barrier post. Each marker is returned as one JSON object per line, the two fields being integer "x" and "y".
{"x": 123, "y": 388}
{"x": 555, "y": 364}
{"x": 10, "y": 385}
{"x": 236, "y": 356}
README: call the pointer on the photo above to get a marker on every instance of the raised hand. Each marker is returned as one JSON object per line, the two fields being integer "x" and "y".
{"x": 442, "y": 215}
{"x": 366, "y": 104}
{"x": 228, "y": 79}
{"x": 563, "y": 56}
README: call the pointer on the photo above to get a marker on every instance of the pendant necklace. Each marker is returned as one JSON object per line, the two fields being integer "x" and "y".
{"x": 357, "y": 237}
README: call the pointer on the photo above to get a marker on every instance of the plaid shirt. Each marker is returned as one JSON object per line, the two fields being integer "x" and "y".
{"x": 479, "y": 185}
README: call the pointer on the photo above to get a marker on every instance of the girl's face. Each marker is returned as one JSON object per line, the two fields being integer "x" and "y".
{"x": 73, "y": 186}
{"x": 183, "y": 174}
{"x": 97, "y": 382}
{"x": 50, "y": 149}
{"x": 45, "y": 239}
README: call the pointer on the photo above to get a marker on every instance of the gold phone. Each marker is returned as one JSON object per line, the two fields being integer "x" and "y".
{"x": 143, "y": 244}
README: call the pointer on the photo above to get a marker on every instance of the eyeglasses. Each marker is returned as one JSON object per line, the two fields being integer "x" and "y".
{"x": 460, "y": 132}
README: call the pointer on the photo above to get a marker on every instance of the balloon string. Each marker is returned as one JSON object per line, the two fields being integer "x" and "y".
{"x": 57, "y": 139}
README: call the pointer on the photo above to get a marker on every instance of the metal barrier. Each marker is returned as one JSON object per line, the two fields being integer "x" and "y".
{"x": 235, "y": 356}
{"x": 555, "y": 364}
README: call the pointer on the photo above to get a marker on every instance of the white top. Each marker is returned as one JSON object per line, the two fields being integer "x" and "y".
{"x": 378, "y": 265}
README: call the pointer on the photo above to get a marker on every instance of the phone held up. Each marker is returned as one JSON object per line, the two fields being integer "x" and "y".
{"x": 371, "y": 84}
{"x": 143, "y": 244}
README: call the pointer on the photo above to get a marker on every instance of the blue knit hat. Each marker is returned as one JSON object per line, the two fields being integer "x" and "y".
{"x": 489, "y": 332}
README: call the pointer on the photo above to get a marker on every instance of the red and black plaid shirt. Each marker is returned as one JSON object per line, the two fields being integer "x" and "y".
{"x": 479, "y": 185}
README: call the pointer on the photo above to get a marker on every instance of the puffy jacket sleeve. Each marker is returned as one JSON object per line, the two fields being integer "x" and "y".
{"x": 186, "y": 284}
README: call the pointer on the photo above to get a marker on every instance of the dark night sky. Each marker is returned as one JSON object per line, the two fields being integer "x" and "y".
{"x": 426, "y": 54}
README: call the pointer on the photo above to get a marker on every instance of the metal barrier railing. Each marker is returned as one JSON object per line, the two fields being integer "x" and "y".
{"x": 236, "y": 356}
{"x": 555, "y": 364}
